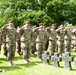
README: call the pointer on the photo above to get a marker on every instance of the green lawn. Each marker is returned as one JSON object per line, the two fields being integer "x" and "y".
{"x": 35, "y": 67}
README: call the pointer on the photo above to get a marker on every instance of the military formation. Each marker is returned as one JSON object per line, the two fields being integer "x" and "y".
{"x": 28, "y": 40}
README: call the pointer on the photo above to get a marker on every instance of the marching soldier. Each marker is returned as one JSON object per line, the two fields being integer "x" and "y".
{"x": 18, "y": 42}
{"x": 67, "y": 39}
{"x": 4, "y": 42}
{"x": 60, "y": 39}
{"x": 0, "y": 39}
{"x": 10, "y": 41}
{"x": 74, "y": 38}
{"x": 34, "y": 36}
{"x": 40, "y": 41}
{"x": 46, "y": 38}
{"x": 26, "y": 40}
{"x": 52, "y": 39}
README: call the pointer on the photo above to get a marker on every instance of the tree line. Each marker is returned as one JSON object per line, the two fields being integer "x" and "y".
{"x": 36, "y": 11}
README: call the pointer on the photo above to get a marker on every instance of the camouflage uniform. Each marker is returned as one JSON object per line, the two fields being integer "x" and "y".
{"x": 34, "y": 36}
{"x": 4, "y": 42}
{"x": 52, "y": 41}
{"x": 0, "y": 39}
{"x": 46, "y": 41}
{"x": 10, "y": 42}
{"x": 40, "y": 42}
{"x": 74, "y": 39}
{"x": 26, "y": 38}
{"x": 60, "y": 40}
{"x": 67, "y": 40}
{"x": 18, "y": 43}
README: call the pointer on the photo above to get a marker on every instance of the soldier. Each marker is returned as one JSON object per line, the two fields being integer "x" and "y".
{"x": 34, "y": 36}
{"x": 4, "y": 42}
{"x": 67, "y": 38}
{"x": 26, "y": 40}
{"x": 57, "y": 40}
{"x": 60, "y": 39}
{"x": 40, "y": 41}
{"x": 52, "y": 39}
{"x": 18, "y": 42}
{"x": 10, "y": 41}
{"x": 46, "y": 38}
{"x": 74, "y": 38}
{"x": 0, "y": 39}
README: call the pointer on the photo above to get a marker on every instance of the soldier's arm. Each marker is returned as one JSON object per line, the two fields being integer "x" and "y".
{"x": 36, "y": 30}
{"x": 21, "y": 31}
{"x": 48, "y": 29}
{"x": 4, "y": 27}
{"x": 57, "y": 30}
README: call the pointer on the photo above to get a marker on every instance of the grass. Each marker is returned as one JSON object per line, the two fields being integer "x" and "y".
{"x": 35, "y": 67}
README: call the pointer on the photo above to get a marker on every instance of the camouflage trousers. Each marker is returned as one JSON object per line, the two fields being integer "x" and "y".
{"x": 19, "y": 47}
{"x": 67, "y": 45}
{"x": 60, "y": 47}
{"x": 5, "y": 50}
{"x": 52, "y": 46}
{"x": 74, "y": 45}
{"x": 11, "y": 48}
{"x": 26, "y": 48}
{"x": 33, "y": 48}
{"x": 40, "y": 46}
{"x": 46, "y": 45}
{"x": 0, "y": 47}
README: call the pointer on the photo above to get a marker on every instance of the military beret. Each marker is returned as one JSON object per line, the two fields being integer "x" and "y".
{"x": 53, "y": 25}
{"x": 11, "y": 21}
{"x": 40, "y": 24}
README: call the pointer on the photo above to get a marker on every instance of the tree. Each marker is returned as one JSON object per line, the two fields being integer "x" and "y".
{"x": 35, "y": 11}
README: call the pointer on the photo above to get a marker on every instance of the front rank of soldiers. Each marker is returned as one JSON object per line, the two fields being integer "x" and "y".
{"x": 26, "y": 40}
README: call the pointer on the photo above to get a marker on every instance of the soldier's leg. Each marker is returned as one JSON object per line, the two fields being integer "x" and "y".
{"x": 33, "y": 48}
{"x": 19, "y": 47}
{"x": 68, "y": 46}
{"x": 56, "y": 46}
{"x": 74, "y": 48}
{"x": 26, "y": 54}
{"x": 9, "y": 55}
{"x": 24, "y": 49}
{"x": 13, "y": 52}
{"x": 62, "y": 47}
{"x": 52, "y": 47}
{"x": 0, "y": 47}
{"x": 46, "y": 45}
{"x": 5, "y": 49}
{"x": 39, "y": 47}
{"x": 65, "y": 47}
{"x": 59, "y": 50}
{"x": 72, "y": 44}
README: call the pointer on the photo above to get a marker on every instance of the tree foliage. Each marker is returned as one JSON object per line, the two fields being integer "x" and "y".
{"x": 36, "y": 11}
